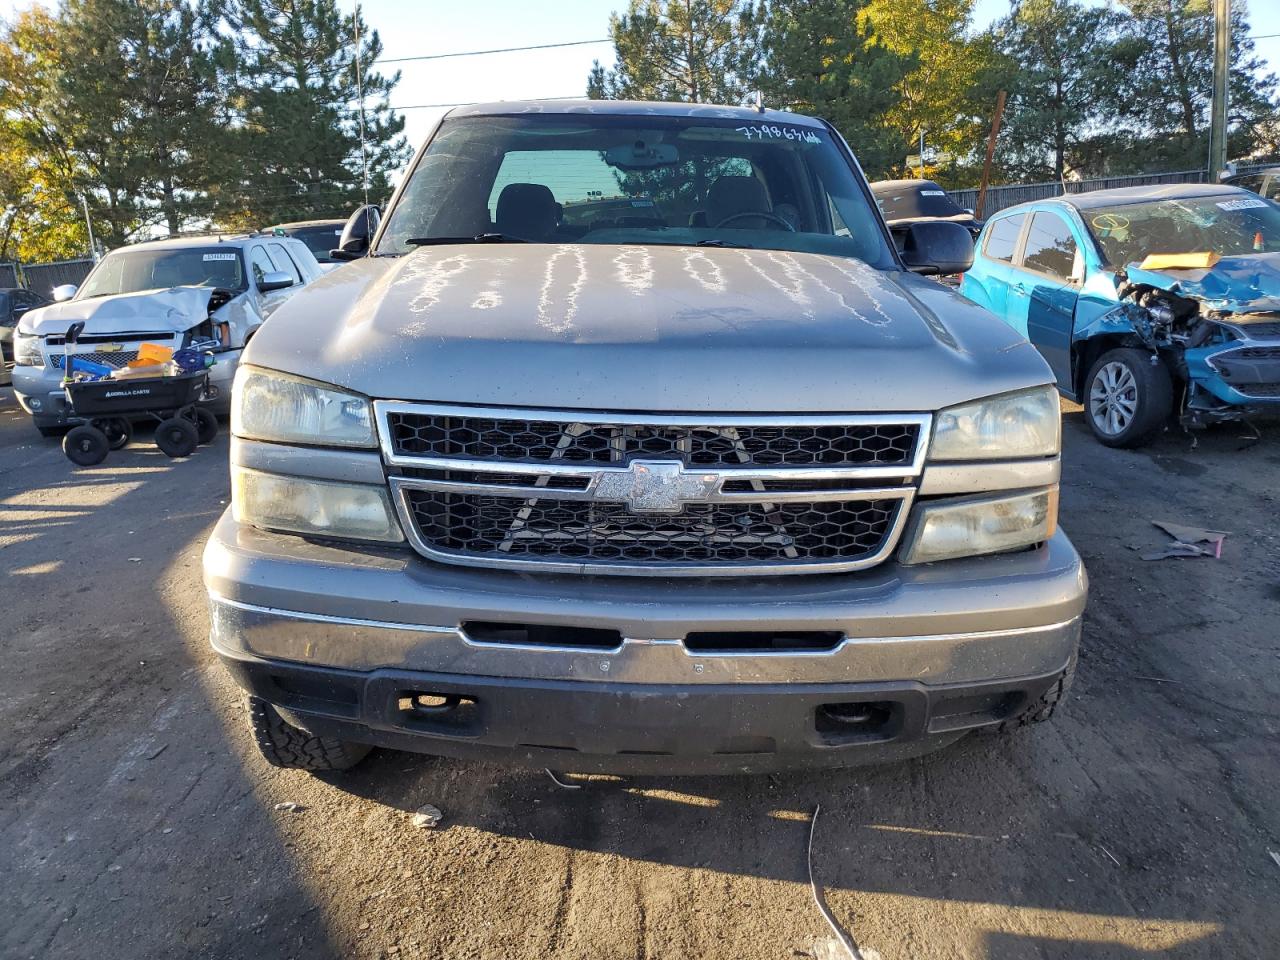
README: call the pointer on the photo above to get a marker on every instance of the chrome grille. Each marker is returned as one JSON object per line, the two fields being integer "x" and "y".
{"x": 648, "y": 494}
{"x": 114, "y": 360}
{"x": 550, "y": 441}
{"x": 574, "y": 531}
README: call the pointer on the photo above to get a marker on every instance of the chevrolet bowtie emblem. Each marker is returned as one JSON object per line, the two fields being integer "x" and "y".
{"x": 654, "y": 486}
{"x": 110, "y": 347}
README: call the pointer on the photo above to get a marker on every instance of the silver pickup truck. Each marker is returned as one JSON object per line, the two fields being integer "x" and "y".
{"x": 628, "y": 442}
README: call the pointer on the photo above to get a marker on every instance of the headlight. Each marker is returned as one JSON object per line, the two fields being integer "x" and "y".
{"x": 1008, "y": 427}
{"x": 976, "y": 525}
{"x": 315, "y": 507}
{"x": 26, "y": 350}
{"x": 277, "y": 407}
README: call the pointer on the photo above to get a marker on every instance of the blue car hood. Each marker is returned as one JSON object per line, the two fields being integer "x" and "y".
{"x": 1244, "y": 284}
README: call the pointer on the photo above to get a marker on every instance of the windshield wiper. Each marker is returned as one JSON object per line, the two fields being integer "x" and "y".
{"x": 478, "y": 238}
{"x": 723, "y": 243}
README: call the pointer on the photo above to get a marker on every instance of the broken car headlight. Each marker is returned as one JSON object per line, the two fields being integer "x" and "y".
{"x": 971, "y": 526}
{"x": 1012, "y": 426}
{"x": 318, "y": 508}
{"x": 280, "y": 408}
{"x": 26, "y": 350}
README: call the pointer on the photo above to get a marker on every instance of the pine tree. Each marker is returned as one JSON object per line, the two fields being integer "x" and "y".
{"x": 1061, "y": 87}
{"x": 299, "y": 124}
{"x": 695, "y": 51}
{"x": 818, "y": 58}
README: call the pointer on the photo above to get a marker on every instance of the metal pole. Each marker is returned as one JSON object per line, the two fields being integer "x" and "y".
{"x": 991, "y": 152}
{"x": 1218, "y": 114}
{"x": 93, "y": 247}
{"x": 922, "y": 153}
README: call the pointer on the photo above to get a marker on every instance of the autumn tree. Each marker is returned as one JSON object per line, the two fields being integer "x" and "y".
{"x": 948, "y": 93}
{"x": 695, "y": 51}
{"x": 39, "y": 200}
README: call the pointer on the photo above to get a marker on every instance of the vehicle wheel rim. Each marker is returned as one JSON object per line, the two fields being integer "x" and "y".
{"x": 1113, "y": 398}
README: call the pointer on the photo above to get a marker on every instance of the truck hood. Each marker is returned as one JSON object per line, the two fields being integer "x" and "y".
{"x": 1244, "y": 284}
{"x": 151, "y": 311}
{"x": 644, "y": 328}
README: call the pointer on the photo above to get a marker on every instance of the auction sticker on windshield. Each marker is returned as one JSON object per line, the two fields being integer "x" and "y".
{"x": 218, "y": 256}
{"x": 1246, "y": 204}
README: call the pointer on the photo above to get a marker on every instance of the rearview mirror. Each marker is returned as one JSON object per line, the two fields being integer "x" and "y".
{"x": 639, "y": 155}
{"x": 360, "y": 228}
{"x": 275, "y": 280}
{"x": 937, "y": 247}
{"x": 64, "y": 292}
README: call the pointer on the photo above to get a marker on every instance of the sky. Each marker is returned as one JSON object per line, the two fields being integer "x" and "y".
{"x": 410, "y": 28}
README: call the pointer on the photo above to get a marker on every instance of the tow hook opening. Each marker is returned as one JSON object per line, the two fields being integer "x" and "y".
{"x": 857, "y": 720}
{"x": 434, "y": 712}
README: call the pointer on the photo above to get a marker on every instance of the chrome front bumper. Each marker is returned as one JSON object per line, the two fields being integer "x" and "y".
{"x": 279, "y": 597}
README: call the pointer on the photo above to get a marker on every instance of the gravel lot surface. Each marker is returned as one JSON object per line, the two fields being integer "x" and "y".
{"x": 137, "y": 821}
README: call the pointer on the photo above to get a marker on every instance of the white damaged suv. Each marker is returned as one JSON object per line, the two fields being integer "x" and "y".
{"x": 173, "y": 292}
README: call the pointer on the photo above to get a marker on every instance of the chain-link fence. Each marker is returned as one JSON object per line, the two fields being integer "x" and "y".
{"x": 43, "y": 277}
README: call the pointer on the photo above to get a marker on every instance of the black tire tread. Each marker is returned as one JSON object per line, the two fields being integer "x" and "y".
{"x": 286, "y": 746}
{"x": 1043, "y": 708}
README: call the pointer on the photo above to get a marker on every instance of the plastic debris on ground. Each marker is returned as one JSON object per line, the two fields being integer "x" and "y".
{"x": 1187, "y": 542}
{"x": 427, "y": 817}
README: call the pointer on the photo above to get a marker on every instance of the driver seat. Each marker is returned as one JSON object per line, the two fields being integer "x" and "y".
{"x": 733, "y": 195}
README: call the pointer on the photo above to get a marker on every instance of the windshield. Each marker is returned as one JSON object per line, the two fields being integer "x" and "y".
{"x": 636, "y": 180}
{"x": 131, "y": 271}
{"x": 918, "y": 198}
{"x": 1222, "y": 223}
{"x": 319, "y": 239}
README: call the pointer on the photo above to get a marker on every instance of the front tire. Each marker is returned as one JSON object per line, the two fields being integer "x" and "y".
{"x": 284, "y": 745}
{"x": 1127, "y": 398}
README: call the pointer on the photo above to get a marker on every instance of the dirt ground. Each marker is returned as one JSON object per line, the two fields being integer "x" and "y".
{"x": 136, "y": 820}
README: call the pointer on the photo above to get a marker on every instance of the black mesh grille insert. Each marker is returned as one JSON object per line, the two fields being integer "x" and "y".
{"x": 482, "y": 438}
{"x": 572, "y": 531}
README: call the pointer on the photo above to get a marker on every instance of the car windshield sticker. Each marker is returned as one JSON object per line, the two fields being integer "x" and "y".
{"x": 768, "y": 131}
{"x": 218, "y": 256}
{"x": 1246, "y": 204}
{"x": 933, "y": 193}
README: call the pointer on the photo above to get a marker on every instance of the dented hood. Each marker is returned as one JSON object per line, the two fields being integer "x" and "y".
{"x": 1243, "y": 284}
{"x": 151, "y": 311}
{"x": 638, "y": 328}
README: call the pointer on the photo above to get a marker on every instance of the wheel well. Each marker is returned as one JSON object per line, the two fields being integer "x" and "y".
{"x": 1086, "y": 352}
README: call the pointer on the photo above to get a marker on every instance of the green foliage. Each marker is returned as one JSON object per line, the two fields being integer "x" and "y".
{"x": 1062, "y": 85}
{"x": 695, "y": 51}
{"x": 819, "y": 57}
{"x": 1164, "y": 73}
{"x": 298, "y": 140}
{"x": 40, "y": 219}
{"x": 172, "y": 114}
{"x": 948, "y": 93}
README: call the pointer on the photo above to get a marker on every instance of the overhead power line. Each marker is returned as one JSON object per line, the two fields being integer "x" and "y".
{"x": 481, "y": 53}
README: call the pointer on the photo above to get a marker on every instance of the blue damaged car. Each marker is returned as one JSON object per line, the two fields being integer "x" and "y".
{"x": 1145, "y": 301}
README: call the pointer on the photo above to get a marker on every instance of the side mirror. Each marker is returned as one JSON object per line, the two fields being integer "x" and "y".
{"x": 360, "y": 228}
{"x": 937, "y": 247}
{"x": 275, "y": 280}
{"x": 64, "y": 292}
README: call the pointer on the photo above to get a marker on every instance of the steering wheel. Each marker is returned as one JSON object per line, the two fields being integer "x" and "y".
{"x": 756, "y": 213}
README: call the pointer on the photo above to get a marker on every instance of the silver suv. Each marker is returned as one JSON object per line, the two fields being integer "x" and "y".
{"x": 215, "y": 291}
{"x": 632, "y": 444}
